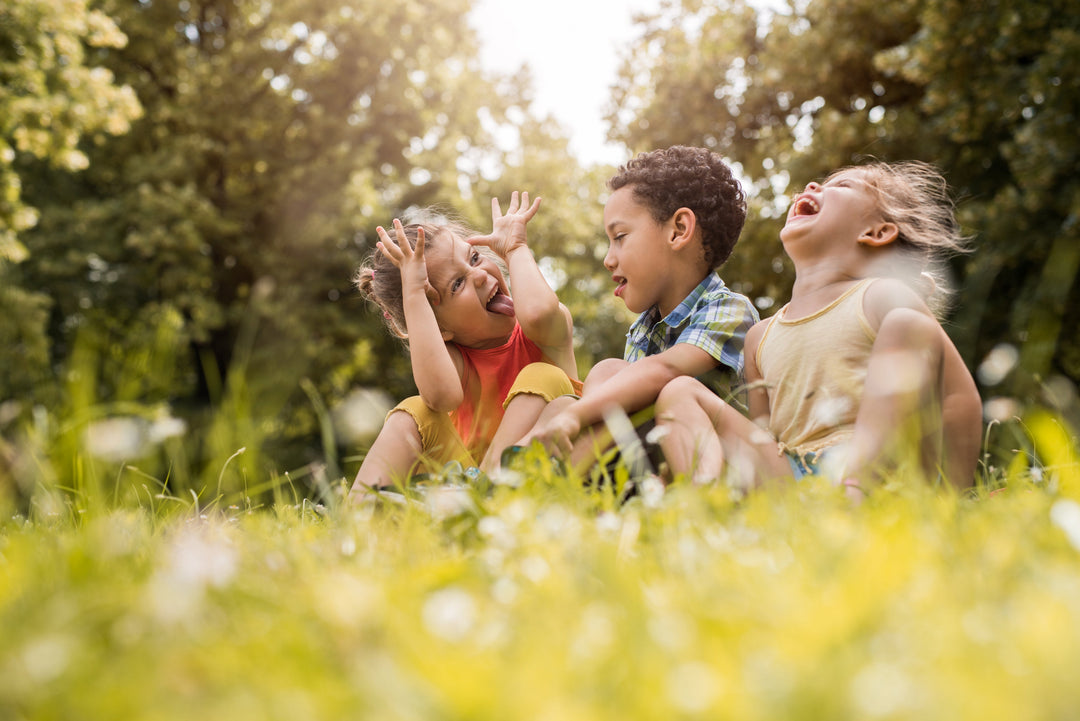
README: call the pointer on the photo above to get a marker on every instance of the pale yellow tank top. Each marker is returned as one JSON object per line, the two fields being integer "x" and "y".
{"x": 815, "y": 372}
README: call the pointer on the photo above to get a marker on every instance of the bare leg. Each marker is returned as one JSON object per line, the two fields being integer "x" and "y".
{"x": 392, "y": 456}
{"x": 584, "y": 445}
{"x": 702, "y": 437}
{"x": 601, "y": 372}
{"x": 521, "y": 414}
{"x": 536, "y": 388}
{"x": 590, "y": 447}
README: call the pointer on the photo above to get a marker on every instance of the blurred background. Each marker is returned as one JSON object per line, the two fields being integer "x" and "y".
{"x": 186, "y": 187}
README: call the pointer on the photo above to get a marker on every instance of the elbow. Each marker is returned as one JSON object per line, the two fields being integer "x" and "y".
{"x": 658, "y": 374}
{"x": 443, "y": 401}
{"x": 536, "y": 317}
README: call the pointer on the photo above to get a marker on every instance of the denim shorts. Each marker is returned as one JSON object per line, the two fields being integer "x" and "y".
{"x": 807, "y": 464}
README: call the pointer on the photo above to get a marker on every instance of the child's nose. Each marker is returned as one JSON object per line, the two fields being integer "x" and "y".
{"x": 609, "y": 259}
{"x": 812, "y": 186}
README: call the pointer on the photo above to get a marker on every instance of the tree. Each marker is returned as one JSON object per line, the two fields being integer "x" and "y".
{"x": 274, "y": 138}
{"x": 52, "y": 97}
{"x": 989, "y": 95}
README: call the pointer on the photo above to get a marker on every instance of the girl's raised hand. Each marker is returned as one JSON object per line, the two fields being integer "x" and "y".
{"x": 508, "y": 231}
{"x": 411, "y": 263}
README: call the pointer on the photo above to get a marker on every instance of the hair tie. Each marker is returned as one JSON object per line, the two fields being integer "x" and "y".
{"x": 386, "y": 314}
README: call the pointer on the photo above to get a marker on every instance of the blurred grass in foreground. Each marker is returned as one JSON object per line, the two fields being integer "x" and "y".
{"x": 546, "y": 602}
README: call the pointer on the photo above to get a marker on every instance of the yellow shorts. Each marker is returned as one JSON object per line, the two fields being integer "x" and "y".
{"x": 440, "y": 440}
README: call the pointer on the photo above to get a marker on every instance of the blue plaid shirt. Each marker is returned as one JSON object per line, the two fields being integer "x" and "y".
{"x": 713, "y": 318}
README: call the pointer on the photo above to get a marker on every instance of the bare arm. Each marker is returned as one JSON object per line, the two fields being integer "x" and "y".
{"x": 885, "y": 303}
{"x": 436, "y": 371}
{"x": 632, "y": 388}
{"x": 543, "y": 319}
{"x": 757, "y": 393}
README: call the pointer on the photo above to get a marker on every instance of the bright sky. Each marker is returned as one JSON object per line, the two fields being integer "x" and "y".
{"x": 572, "y": 48}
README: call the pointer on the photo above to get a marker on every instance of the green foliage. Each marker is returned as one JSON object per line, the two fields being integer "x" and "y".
{"x": 273, "y": 139}
{"x": 51, "y": 97}
{"x": 989, "y": 95}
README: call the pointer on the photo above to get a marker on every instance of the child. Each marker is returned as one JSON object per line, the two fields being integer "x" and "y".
{"x": 672, "y": 219}
{"x": 854, "y": 371}
{"x": 474, "y": 349}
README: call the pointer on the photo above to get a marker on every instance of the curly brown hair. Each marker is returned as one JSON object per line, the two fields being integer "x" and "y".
{"x": 696, "y": 178}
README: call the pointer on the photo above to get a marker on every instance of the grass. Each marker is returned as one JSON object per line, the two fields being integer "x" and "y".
{"x": 544, "y": 601}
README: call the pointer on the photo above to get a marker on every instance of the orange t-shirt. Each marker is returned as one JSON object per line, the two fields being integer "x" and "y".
{"x": 489, "y": 375}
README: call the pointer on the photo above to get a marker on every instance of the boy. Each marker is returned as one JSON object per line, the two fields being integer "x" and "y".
{"x": 672, "y": 219}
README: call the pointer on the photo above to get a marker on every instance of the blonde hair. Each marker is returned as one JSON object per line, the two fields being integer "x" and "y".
{"x": 915, "y": 197}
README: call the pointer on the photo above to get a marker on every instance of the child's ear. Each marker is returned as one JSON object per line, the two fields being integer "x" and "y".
{"x": 879, "y": 234}
{"x": 684, "y": 225}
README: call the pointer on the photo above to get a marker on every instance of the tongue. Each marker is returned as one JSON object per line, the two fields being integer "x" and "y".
{"x": 501, "y": 303}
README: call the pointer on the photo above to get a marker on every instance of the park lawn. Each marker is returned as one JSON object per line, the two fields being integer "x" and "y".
{"x": 540, "y": 600}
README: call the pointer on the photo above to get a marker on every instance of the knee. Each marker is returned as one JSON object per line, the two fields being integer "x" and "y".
{"x": 678, "y": 391}
{"x": 603, "y": 370}
{"x": 540, "y": 379}
{"x": 409, "y": 419}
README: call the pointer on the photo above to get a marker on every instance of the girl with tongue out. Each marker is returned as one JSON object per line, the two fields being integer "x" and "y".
{"x": 484, "y": 364}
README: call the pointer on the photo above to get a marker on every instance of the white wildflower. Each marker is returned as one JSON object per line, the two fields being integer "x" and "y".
{"x": 1065, "y": 513}
{"x": 535, "y": 568}
{"x": 450, "y": 614}
{"x": 652, "y": 491}
{"x": 882, "y": 689}
{"x": 359, "y": 416}
{"x": 1000, "y": 409}
{"x": 692, "y": 686}
{"x": 998, "y": 364}
{"x": 116, "y": 439}
{"x": 444, "y": 502}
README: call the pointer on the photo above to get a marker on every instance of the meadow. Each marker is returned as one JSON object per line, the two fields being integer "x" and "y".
{"x": 537, "y": 599}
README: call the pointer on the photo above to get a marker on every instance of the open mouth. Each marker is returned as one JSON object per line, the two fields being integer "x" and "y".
{"x": 620, "y": 285}
{"x": 806, "y": 206}
{"x": 500, "y": 303}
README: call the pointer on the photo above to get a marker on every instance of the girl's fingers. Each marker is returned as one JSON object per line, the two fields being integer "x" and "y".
{"x": 419, "y": 243}
{"x": 385, "y": 241}
{"x": 387, "y": 246}
{"x": 403, "y": 246}
{"x": 532, "y": 208}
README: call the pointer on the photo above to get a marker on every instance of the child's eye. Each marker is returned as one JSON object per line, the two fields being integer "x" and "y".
{"x": 456, "y": 285}
{"x": 475, "y": 259}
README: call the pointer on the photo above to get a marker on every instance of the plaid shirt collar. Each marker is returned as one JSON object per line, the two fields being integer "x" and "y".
{"x": 682, "y": 311}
